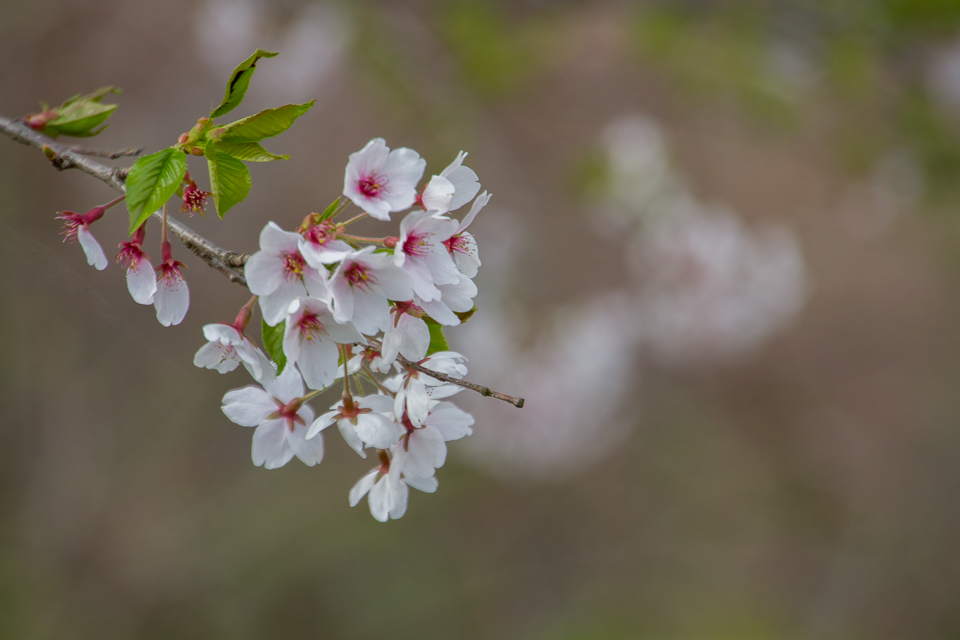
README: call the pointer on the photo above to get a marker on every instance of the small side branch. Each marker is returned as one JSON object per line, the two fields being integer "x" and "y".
{"x": 101, "y": 153}
{"x": 484, "y": 391}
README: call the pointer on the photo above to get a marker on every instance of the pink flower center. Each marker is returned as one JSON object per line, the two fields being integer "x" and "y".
{"x": 311, "y": 327}
{"x": 371, "y": 186}
{"x": 170, "y": 274}
{"x": 321, "y": 234}
{"x": 293, "y": 266}
{"x": 458, "y": 244}
{"x": 417, "y": 245}
{"x": 130, "y": 256}
{"x": 193, "y": 199}
{"x": 359, "y": 278}
{"x": 71, "y": 225}
{"x": 408, "y": 307}
{"x": 289, "y": 412}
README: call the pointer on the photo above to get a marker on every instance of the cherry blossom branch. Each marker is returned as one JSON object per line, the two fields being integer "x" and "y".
{"x": 64, "y": 157}
{"x": 226, "y": 262}
{"x": 484, "y": 391}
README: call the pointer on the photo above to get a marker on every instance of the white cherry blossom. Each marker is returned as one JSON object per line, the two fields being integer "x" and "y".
{"x": 363, "y": 421}
{"x": 388, "y": 495}
{"x": 172, "y": 298}
{"x": 455, "y": 298}
{"x": 280, "y": 418}
{"x": 310, "y": 340}
{"x": 76, "y": 228}
{"x": 141, "y": 279}
{"x": 381, "y": 181}
{"x": 422, "y": 449}
{"x": 462, "y": 245}
{"x": 406, "y": 333}
{"x": 279, "y": 274}
{"x": 421, "y": 254}
{"x": 319, "y": 245}
{"x": 226, "y": 348}
{"x": 454, "y": 187}
{"x": 361, "y": 286}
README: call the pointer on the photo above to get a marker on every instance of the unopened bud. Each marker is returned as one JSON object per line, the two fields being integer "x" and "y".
{"x": 40, "y": 120}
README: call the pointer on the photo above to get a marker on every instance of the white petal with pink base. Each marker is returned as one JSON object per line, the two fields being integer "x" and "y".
{"x": 381, "y": 181}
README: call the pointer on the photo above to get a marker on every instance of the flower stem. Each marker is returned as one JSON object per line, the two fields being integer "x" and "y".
{"x": 346, "y": 236}
{"x": 353, "y": 219}
{"x": 373, "y": 378}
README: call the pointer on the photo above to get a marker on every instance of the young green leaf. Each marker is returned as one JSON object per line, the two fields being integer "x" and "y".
{"x": 437, "y": 341}
{"x": 266, "y": 124}
{"x": 151, "y": 182}
{"x": 249, "y": 151}
{"x": 80, "y": 115}
{"x": 330, "y": 210}
{"x": 238, "y": 83}
{"x": 273, "y": 343}
{"x": 80, "y": 120}
{"x": 229, "y": 179}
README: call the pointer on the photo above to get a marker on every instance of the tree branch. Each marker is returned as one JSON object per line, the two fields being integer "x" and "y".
{"x": 64, "y": 157}
{"x": 484, "y": 391}
{"x": 226, "y": 262}
{"x": 112, "y": 155}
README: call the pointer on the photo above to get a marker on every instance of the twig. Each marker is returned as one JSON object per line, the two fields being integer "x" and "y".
{"x": 63, "y": 157}
{"x": 112, "y": 155}
{"x": 484, "y": 391}
{"x": 226, "y": 262}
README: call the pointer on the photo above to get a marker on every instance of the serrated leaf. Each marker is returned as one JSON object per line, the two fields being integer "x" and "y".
{"x": 330, "y": 210}
{"x": 96, "y": 96}
{"x": 437, "y": 341}
{"x": 80, "y": 115}
{"x": 151, "y": 182}
{"x": 273, "y": 343}
{"x": 249, "y": 151}
{"x": 266, "y": 124}
{"x": 80, "y": 119}
{"x": 239, "y": 82}
{"x": 229, "y": 179}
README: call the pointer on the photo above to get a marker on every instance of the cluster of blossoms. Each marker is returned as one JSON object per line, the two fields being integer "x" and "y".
{"x": 344, "y": 311}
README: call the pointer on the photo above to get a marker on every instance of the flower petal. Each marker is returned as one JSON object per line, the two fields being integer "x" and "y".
{"x": 362, "y": 487}
{"x": 270, "y": 448}
{"x": 95, "y": 256}
{"x": 142, "y": 282}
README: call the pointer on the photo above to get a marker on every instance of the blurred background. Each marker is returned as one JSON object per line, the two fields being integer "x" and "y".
{"x": 721, "y": 262}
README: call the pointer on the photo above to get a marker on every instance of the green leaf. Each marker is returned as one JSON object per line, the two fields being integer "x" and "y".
{"x": 266, "y": 124}
{"x": 96, "y": 96}
{"x": 273, "y": 343}
{"x": 152, "y": 180}
{"x": 238, "y": 83}
{"x": 249, "y": 151}
{"x": 437, "y": 341}
{"x": 80, "y": 116}
{"x": 80, "y": 120}
{"x": 330, "y": 210}
{"x": 229, "y": 179}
